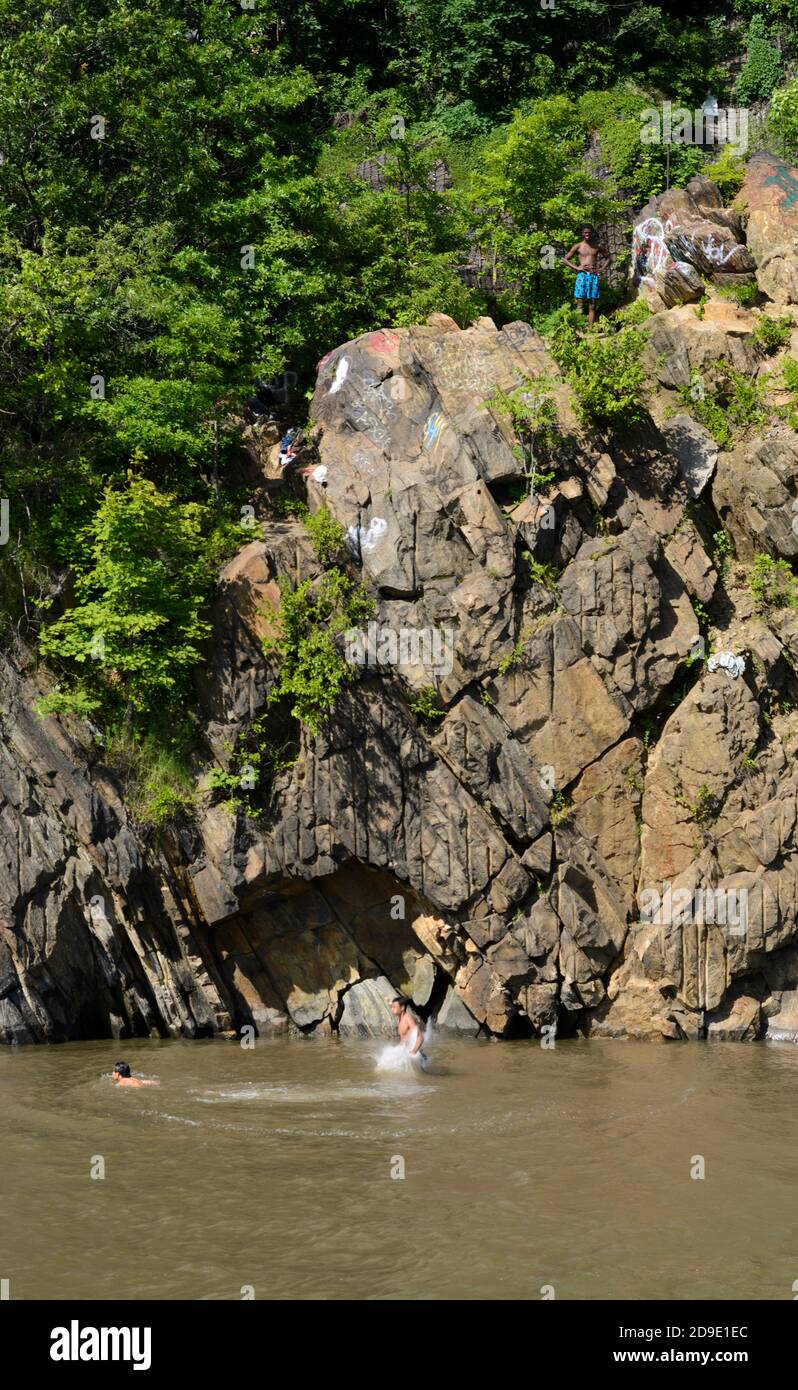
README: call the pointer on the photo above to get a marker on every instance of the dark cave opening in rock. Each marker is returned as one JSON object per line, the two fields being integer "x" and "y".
{"x": 327, "y": 955}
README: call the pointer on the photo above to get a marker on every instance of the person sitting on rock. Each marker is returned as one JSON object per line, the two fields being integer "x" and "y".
{"x": 592, "y": 260}
{"x": 121, "y": 1077}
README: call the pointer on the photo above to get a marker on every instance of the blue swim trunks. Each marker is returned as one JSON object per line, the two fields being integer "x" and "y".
{"x": 587, "y": 285}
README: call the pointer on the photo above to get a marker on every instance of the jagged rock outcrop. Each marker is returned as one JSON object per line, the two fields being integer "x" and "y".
{"x": 682, "y": 237}
{"x": 769, "y": 197}
{"x": 521, "y": 857}
{"x": 95, "y": 937}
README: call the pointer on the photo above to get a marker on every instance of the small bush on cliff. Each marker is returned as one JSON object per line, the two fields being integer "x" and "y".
{"x": 745, "y": 295}
{"x": 532, "y": 416}
{"x": 327, "y": 534}
{"x": 773, "y": 583}
{"x": 561, "y": 809}
{"x": 632, "y": 314}
{"x": 154, "y": 772}
{"x": 541, "y": 572}
{"x": 426, "y": 705}
{"x": 606, "y": 374}
{"x": 706, "y": 807}
{"x": 773, "y": 333}
{"x": 728, "y": 172}
{"x": 727, "y": 404}
{"x": 314, "y": 671}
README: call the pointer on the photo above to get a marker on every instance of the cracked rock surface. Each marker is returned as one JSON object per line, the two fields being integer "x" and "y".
{"x": 494, "y": 863}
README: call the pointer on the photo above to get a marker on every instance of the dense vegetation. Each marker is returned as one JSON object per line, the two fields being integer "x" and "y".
{"x": 181, "y": 213}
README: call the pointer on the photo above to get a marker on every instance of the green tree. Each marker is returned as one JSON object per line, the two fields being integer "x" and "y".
{"x": 135, "y": 631}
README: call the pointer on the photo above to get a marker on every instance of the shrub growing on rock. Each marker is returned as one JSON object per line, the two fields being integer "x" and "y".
{"x": 606, "y": 374}
{"x": 773, "y": 583}
{"x": 314, "y": 671}
{"x": 730, "y": 405}
{"x": 326, "y": 533}
{"x": 773, "y": 333}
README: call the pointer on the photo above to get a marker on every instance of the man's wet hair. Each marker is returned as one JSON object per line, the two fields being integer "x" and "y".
{"x": 401, "y": 999}
{"x": 122, "y": 1068}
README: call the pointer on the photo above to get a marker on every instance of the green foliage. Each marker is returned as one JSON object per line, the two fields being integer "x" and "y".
{"x": 135, "y": 630}
{"x": 745, "y": 295}
{"x": 783, "y": 120}
{"x": 773, "y": 333}
{"x": 639, "y": 170}
{"x": 706, "y": 807}
{"x": 561, "y": 809}
{"x": 512, "y": 659}
{"x": 541, "y": 572}
{"x": 154, "y": 771}
{"x": 702, "y": 617}
{"x": 327, "y": 534}
{"x": 763, "y": 65}
{"x": 722, "y": 552}
{"x": 631, "y": 315}
{"x": 291, "y": 507}
{"x": 221, "y": 229}
{"x": 730, "y": 405}
{"x": 426, "y": 704}
{"x": 262, "y": 751}
{"x": 789, "y": 372}
{"x": 728, "y": 172}
{"x": 606, "y": 375}
{"x": 532, "y": 416}
{"x": 313, "y": 670}
{"x": 772, "y": 583}
{"x": 534, "y": 191}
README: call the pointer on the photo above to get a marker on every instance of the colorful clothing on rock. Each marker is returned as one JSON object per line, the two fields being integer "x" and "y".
{"x": 587, "y": 285}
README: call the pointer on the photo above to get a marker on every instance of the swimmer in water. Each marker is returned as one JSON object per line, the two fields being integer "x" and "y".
{"x": 410, "y": 1034}
{"x": 121, "y": 1077}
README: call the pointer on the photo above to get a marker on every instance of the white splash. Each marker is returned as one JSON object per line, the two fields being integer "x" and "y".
{"x": 395, "y": 1057}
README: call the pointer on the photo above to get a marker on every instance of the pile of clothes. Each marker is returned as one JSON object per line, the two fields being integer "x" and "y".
{"x": 290, "y": 448}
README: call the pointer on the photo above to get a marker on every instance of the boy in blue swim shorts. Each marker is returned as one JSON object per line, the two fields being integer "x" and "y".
{"x": 591, "y": 260}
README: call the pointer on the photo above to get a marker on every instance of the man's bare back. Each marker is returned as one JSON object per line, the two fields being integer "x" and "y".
{"x": 121, "y": 1077}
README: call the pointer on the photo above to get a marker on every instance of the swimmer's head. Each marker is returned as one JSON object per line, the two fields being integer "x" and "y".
{"x": 121, "y": 1069}
{"x": 399, "y": 1004}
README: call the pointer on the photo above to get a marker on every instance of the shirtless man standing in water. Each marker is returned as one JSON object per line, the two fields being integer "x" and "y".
{"x": 121, "y": 1077}
{"x": 410, "y": 1033}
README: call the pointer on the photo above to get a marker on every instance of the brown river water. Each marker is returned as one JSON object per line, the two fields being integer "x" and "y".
{"x": 270, "y": 1169}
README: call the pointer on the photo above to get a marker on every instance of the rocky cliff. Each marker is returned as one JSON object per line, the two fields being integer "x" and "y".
{"x": 613, "y": 726}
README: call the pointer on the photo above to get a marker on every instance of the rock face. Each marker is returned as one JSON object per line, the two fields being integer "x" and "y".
{"x": 594, "y": 831}
{"x": 95, "y": 937}
{"x": 683, "y": 235}
{"x": 770, "y": 197}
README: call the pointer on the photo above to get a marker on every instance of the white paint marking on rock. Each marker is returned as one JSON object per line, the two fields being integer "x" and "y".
{"x": 340, "y": 376}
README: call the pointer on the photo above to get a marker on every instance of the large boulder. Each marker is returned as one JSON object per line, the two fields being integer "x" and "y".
{"x": 681, "y": 236}
{"x": 769, "y": 196}
{"x": 756, "y": 493}
{"x": 680, "y": 344}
